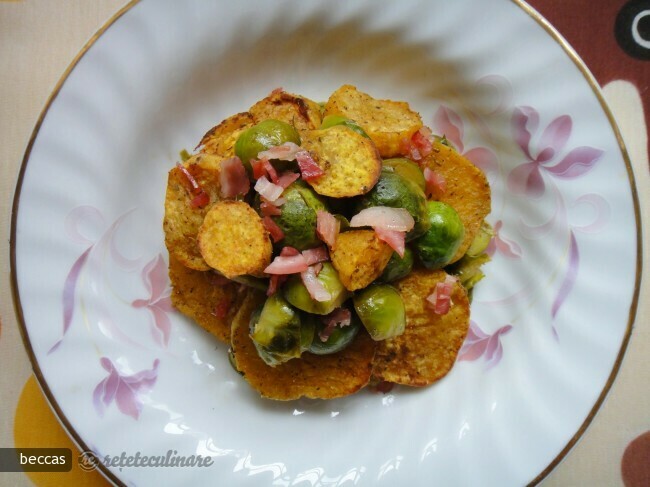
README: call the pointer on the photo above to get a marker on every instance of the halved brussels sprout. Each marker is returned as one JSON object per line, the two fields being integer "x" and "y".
{"x": 397, "y": 266}
{"x": 296, "y": 293}
{"x": 481, "y": 241}
{"x": 276, "y": 331}
{"x": 439, "y": 244}
{"x": 407, "y": 169}
{"x": 263, "y": 136}
{"x": 338, "y": 339}
{"x": 396, "y": 191}
{"x": 469, "y": 269}
{"x": 332, "y": 120}
{"x": 298, "y": 218}
{"x": 381, "y": 310}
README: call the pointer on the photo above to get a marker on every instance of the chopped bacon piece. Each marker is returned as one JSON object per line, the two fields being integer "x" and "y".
{"x": 340, "y": 316}
{"x": 318, "y": 254}
{"x": 269, "y": 209}
{"x": 282, "y": 152}
{"x": 308, "y": 167}
{"x": 270, "y": 170}
{"x": 275, "y": 282}
{"x": 440, "y": 299}
{"x": 267, "y": 189}
{"x": 287, "y": 178}
{"x": 394, "y": 238}
{"x": 258, "y": 168}
{"x": 288, "y": 251}
{"x": 233, "y": 178}
{"x": 436, "y": 185}
{"x": 385, "y": 217}
{"x": 274, "y": 230}
{"x": 421, "y": 140}
{"x": 200, "y": 200}
{"x": 193, "y": 183}
{"x": 314, "y": 287}
{"x": 287, "y": 265}
{"x": 327, "y": 227}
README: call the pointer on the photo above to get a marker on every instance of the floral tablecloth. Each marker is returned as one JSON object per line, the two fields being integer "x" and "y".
{"x": 39, "y": 39}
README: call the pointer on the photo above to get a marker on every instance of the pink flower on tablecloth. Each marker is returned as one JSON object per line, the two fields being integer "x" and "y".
{"x": 155, "y": 278}
{"x": 526, "y": 178}
{"x": 124, "y": 390}
{"x": 480, "y": 344}
{"x": 504, "y": 246}
{"x": 447, "y": 123}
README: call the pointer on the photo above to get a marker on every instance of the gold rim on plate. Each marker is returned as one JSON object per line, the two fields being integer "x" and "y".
{"x": 573, "y": 55}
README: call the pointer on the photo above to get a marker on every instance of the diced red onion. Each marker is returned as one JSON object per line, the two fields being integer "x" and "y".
{"x": 287, "y": 178}
{"x": 282, "y": 152}
{"x": 397, "y": 219}
{"x": 394, "y": 238}
{"x": 440, "y": 299}
{"x": 288, "y": 251}
{"x": 314, "y": 287}
{"x": 287, "y": 265}
{"x": 267, "y": 189}
{"x": 327, "y": 227}
{"x": 309, "y": 169}
{"x": 195, "y": 185}
{"x": 318, "y": 254}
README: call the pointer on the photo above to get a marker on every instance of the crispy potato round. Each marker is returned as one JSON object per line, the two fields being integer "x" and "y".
{"x": 427, "y": 349}
{"x": 181, "y": 222}
{"x": 312, "y": 376}
{"x": 388, "y": 123}
{"x": 359, "y": 257}
{"x": 301, "y": 112}
{"x": 467, "y": 192}
{"x": 233, "y": 240}
{"x": 202, "y": 296}
{"x": 350, "y": 161}
{"x": 220, "y": 139}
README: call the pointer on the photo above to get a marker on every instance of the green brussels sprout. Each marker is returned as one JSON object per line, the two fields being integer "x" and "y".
{"x": 276, "y": 331}
{"x": 345, "y": 223}
{"x": 407, "y": 169}
{"x": 395, "y": 191}
{"x": 481, "y": 241}
{"x": 332, "y": 120}
{"x": 381, "y": 310}
{"x": 397, "y": 266}
{"x": 263, "y": 136}
{"x": 469, "y": 269}
{"x": 298, "y": 218}
{"x": 338, "y": 339}
{"x": 296, "y": 293}
{"x": 439, "y": 244}
{"x": 307, "y": 331}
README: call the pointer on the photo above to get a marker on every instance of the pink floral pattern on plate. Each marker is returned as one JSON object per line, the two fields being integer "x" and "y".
{"x": 480, "y": 344}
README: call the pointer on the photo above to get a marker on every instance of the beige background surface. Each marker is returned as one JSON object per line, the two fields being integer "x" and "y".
{"x": 39, "y": 39}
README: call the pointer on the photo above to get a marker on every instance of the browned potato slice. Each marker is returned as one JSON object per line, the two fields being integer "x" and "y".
{"x": 220, "y": 140}
{"x": 427, "y": 349}
{"x": 359, "y": 257}
{"x": 233, "y": 240}
{"x": 301, "y": 112}
{"x": 388, "y": 123}
{"x": 312, "y": 376}
{"x": 468, "y": 191}
{"x": 350, "y": 161}
{"x": 181, "y": 222}
{"x": 200, "y": 296}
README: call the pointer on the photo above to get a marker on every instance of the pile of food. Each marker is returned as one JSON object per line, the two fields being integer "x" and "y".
{"x": 331, "y": 245}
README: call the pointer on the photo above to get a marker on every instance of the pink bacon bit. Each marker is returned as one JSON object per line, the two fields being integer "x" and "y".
{"x": 318, "y": 254}
{"x": 275, "y": 282}
{"x": 314, "y": 287}
{"x": 327, "y": 227}
{"x": 287, "y": 178}
{"x": 258, "y": 168}
{"x": 436, "y": 185}
{"x": 394, "y": 238}
{"x": 201, "y": 198}
{"x": 274, "y": 230}
{"x": 309, "y": 169}
{"x": 422, "y": 139}
{"x": 390, "y": 224}
{"x": 270, "y": 170}
{"x": 284, "y": 265}
{"x": 340, "y": 316}
{"x": 269, "y": 209}
{"x": 440, "y": 299}
{"x": 267, "y": 189}
{"x": 233, "y": 178}
{"x": 288, "y": 251}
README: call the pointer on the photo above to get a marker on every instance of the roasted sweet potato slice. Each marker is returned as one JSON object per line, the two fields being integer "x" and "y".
{"x": 350, "y": 161}
{"x": 204, "y": 297}
{"x": 233, "y": 240}
{"x": 359, "y": 257}
{"x": 388, "y": 123}
{"x": 220, "y": 140}
{"x": 467, "y": 191}
{"x": 301, "y": 112}
{"x": 427, "y": 349}
{"x": 182, "y": 220}
{"x": 312, "y": 376}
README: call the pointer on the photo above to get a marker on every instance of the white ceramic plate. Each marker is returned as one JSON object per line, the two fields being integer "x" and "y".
{"x": 550, "y": 322}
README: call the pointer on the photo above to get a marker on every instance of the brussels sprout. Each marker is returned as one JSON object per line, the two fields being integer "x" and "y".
{"x": 407, "y": 169}
{"x": 307, "y": 331}
{"x": 263, "y": 136}
{"x": 468, "y": 269}
{"x": 345, "y": 223}
{"x": 439, "y": 244}
{"x": 381, "y": 310}
{"x": 397, "y": 266}
{"x": 396, "y": 191}
{"x": 296, "y": 293}
{"x": 332, "y": 120}
{"x": 276, "y": 331}
{"x": 298, "y": 218}
{"x": 481, "y": 241}
{"x": 338, "y": 339}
